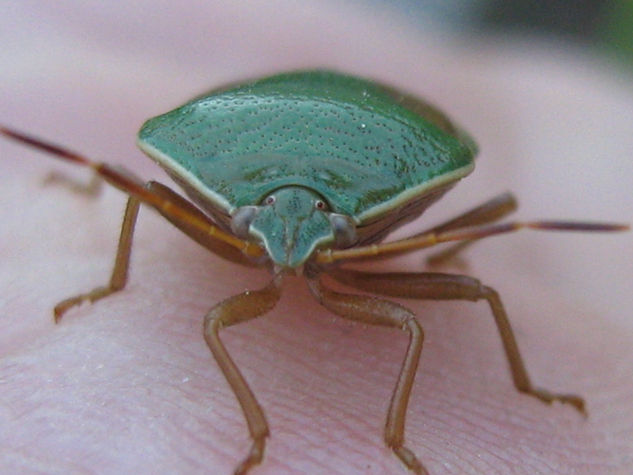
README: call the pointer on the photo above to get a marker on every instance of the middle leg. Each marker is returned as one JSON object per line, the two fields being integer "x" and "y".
{"x": 492, "y": 210}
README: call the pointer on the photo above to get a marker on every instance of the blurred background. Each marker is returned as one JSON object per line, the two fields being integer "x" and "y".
{"x": 605, "y": 25}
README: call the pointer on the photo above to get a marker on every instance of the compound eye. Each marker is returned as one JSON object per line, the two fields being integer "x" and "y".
{"x": 320, "y": 205}
{"x": 270, "y": 199}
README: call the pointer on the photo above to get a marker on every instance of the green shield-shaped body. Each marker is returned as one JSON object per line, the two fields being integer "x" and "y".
{"x": 372, "y": 153}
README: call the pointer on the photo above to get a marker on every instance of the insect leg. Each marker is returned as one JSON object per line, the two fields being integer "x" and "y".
{"x": 128, "y": 183}
{"x": 492, "y": 210}
{"x": 436, "y": 286}
{"x": 217, "y": 247}
{"x": 118, "y": 278}
{"x": 119, "y": 275}
{"x": 488, "y": 212}
{"x": 238, "y": 309}
{"x": 91, "y": 189}
{"x": 375, "y": 311}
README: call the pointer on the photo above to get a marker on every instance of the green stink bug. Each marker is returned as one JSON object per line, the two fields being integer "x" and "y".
{"x": 302, "y": 173}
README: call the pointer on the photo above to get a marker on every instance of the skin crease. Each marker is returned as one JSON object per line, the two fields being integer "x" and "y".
{"x": 128, "y": 384}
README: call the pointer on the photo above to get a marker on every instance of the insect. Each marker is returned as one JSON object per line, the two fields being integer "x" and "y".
{"x": 303, "y": 173}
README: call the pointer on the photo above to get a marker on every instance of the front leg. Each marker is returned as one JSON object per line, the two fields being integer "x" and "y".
{"x": 118, "y": 279}
{"x": 375, "y": 311}
{"x": 234, "y": 310}
{"x": 436, "y": 286}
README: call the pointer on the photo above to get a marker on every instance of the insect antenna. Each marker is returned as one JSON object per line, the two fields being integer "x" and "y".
{"x": 433, "y": 238}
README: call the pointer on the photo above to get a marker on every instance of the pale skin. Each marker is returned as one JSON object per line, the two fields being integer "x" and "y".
{"x": 129, "y": 384}
{"x": 364, "y": 309}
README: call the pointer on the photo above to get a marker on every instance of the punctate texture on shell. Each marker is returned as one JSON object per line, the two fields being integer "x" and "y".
{"x": 366, "y": 148}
